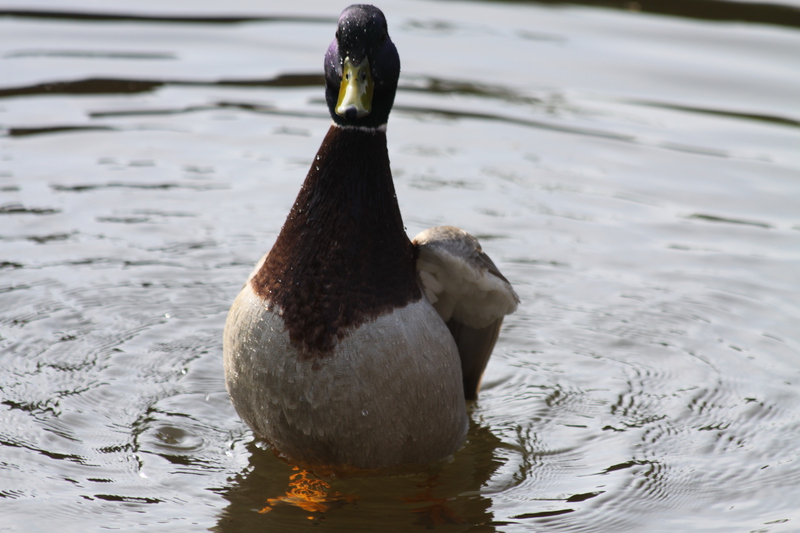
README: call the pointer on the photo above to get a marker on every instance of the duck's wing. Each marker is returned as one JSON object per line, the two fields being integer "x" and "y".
{"x": 468, "y": 291}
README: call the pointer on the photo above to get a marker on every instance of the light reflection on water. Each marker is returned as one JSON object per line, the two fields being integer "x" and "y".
{"x": 634, "y": 176}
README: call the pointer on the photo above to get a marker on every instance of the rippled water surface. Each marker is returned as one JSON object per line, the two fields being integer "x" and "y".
{"x": 634, "y": 173}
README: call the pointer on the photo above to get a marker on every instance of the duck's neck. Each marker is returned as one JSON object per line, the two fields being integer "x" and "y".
{"x": 342, "y": 257}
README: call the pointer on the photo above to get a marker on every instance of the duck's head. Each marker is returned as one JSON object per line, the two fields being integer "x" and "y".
{"x": 361, "y": 69}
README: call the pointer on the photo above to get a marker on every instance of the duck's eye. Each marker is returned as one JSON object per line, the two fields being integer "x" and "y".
{"x": 337, "y": 35}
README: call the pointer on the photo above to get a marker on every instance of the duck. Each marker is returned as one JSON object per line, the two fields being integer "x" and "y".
{"x": 351, "y": 346}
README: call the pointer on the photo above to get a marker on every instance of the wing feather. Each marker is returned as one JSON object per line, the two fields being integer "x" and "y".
{"x": 469, "y": 293}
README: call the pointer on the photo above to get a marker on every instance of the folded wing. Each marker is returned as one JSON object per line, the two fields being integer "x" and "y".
{"x": 469, "y": 293}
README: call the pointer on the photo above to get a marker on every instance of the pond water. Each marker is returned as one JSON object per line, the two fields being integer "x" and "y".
{"x": 635, "y": 173}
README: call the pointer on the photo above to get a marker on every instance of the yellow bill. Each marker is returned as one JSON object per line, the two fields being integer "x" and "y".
{"x": 355, "y": 92}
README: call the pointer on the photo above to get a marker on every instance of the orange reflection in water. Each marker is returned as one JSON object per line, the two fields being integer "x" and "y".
{"x": 308, "y": 493}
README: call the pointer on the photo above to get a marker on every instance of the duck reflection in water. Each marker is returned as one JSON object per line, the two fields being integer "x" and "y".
{"x": 271, "y": 495}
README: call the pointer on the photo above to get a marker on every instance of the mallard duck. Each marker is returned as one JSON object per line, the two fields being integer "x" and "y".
{"x": 351, "y": 345}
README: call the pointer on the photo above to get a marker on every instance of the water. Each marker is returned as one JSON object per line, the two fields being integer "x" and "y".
{"x": 635, "y": 176}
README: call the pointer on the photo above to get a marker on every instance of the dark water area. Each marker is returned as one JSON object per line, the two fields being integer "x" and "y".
{"x": 633, "y": 168}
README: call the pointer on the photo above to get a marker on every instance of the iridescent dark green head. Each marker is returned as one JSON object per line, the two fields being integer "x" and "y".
{"x": 361, "y": 69}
